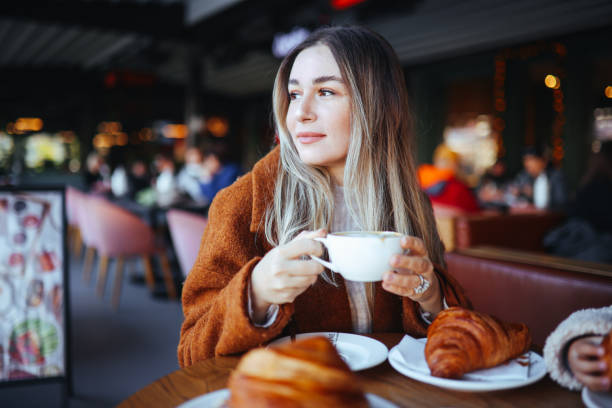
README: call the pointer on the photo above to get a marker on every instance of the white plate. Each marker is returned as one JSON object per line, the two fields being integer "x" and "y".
{"x": 537, "y": 370}
{"x": 216, "y": 399}
{"x": 359, "y": 352}
{"x": 594, "y": 399}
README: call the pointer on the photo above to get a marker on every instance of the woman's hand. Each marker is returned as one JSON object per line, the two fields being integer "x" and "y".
{"x": 584, "y": 357}
{"x": 413, "y": 276}
{"x": 282, "y": 274}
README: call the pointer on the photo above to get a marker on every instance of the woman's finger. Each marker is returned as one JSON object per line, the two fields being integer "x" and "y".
{"x": 299, "y": 247}
{"x": 409, "y": 285}
{"x": 415, "y": 245}
{"x": 311, "y": 234}
{"x": 407, "y": 281}
{"x": 299, "y": 283}
{"x": 304, "y": 268}
{"x": 416, "y": 264}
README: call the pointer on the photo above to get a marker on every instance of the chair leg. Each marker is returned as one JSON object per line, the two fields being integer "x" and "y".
{"x": 168, "y": 279}
{"x": 70, "y": 237}
{"x": 78, "y": 242}
{"x": 89, "y": 255}
{"x": 149, "y": 276}
{"x": 102, "y": 275}
{"x": 118, "y": 282}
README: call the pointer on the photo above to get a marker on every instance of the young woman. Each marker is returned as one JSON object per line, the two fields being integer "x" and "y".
{"x": 345, "y": 162}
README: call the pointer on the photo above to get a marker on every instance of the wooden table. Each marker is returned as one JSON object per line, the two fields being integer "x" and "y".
{"x": 383, "y": 380}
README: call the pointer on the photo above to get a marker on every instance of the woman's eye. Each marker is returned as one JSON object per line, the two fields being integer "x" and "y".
{"x": 293, "y": 95}
{"x": 326, "y": 92}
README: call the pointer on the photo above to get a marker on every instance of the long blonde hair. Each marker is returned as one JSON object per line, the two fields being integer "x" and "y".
{"x": 380, "y": 184}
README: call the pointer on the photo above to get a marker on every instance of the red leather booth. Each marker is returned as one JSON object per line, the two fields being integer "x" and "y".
{"x": 537, "y": 290}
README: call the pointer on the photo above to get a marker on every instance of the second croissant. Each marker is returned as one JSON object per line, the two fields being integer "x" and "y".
{"x": 461, "y": 340}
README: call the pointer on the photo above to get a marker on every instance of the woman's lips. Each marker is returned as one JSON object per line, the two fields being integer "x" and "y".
{"x": 309, "y": 137}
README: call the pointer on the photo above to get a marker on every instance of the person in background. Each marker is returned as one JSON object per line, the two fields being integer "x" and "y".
{"x": 441, "y": 184}
{"x": 539, "y": 186}
{"x": 345, "y": 162}
{"x": 217, "y": 171}
{"x": 573, "y": 351}
{"x": 138, "y": 177}
{"x": 491, "y": 190}
{"x": 593, "y": 202}
{"x": 120, "y": 185}
{"x": 166, "y": 191}
{"x": 190, "y": 176}
{"x": 97, "y": 174}
{"x": 587, "y": 233}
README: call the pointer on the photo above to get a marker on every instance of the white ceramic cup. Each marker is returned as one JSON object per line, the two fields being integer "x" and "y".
{"x": 361, "y": 256}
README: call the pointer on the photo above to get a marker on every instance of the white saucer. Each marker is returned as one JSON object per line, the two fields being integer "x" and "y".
{"x": 537, "y": 370}
{"x": 216, "y": 399}
{"x": 359, "y": 352}
{"x": 594, "y": 399}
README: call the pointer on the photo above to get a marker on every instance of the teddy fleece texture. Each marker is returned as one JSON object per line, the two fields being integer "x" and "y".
{"x": 215, "y": 291}
{"x": 580, "y": 323}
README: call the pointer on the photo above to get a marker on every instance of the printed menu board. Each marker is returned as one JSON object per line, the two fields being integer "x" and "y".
{"x": 32, "y": 307}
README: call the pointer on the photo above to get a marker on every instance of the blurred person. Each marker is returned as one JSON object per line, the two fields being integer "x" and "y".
{"x": 345, "y": 161}
{"x": 218, "y": 171}
{"x": 573, "y": 352}
{"x": 491, "y": 190}
{"x": 539, "y": 186}
{"x": 138, "y": 177}
{"x": 190, "y": 177}
{"x": 97, "y": 173}
{"x": 593, "y": 202}
{"x": 120, "y": 185}
{"x": 166, "y": 190}
{"x": 439, "y": 180}
{"x": 587, "y": 234}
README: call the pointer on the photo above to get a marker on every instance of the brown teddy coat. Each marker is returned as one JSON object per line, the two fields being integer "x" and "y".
{"x": 215, "y": 291}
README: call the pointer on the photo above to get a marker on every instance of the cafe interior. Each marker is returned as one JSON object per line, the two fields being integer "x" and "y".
{"x": 121, "y": 119}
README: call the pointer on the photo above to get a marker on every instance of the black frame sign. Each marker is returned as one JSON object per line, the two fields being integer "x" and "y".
{"x": 34, "y": 319}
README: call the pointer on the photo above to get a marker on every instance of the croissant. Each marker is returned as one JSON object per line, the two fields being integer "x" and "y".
{"x": 305, "y": 374}
{"x": 461, "y": 340}
{"x": 607, "y": 345}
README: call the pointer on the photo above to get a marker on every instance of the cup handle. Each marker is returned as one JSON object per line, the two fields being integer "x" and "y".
{"x": 326, "y": 264}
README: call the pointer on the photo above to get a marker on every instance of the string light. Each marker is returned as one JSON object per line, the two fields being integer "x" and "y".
{"x": 499, "y": 96}
{"x": 551, "y": 81}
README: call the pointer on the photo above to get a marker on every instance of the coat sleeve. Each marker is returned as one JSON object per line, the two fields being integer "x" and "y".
{"x": 215, "y": 291}
{"x": 451, "y": 291}
{"x": 578, "y": 324}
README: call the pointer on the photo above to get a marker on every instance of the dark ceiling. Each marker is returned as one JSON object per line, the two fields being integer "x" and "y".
{"x": 229, "y": 41}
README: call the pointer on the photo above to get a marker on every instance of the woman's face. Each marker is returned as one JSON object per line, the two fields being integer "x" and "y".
{"x": 319, "y": 113}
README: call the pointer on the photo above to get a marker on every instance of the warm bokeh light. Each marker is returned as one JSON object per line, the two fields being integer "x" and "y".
{"x": 121, "y": 139}
{"x": 109, "y": 127}
{"x": 178, "y": 131}
{"x": 68, "y": 135}
{"x": 552, "y": 81}
{"x": 608, "y": 92}
{"x": 103, "y": 141}
{"x": 23, "y": 125}
{"x": 217, "y": 126}
{"x": 145, "y": 134}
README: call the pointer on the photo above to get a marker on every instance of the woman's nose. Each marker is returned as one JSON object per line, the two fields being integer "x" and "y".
{"x": 305, "y": 111}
